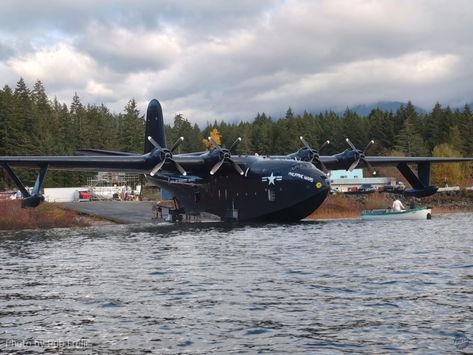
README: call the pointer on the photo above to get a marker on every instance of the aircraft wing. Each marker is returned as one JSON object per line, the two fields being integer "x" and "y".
{"x": 82, "y": 163}
{"x": 419, "y": 179}
{"x": 92, "y": 151}
{"x": 348, "y": 159}
{"x": 386, "y": 161}
{"x": 141, "y": 164}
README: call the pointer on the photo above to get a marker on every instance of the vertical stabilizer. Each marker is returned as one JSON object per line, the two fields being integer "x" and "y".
{"x": 154, "y": 125}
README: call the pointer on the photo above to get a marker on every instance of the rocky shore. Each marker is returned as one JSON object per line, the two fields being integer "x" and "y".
{"x": 350, "y": 206}
{"x": 339, "y": 206}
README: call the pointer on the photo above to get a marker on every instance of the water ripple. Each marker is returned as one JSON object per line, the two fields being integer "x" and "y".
{"x": 326, "y": 287}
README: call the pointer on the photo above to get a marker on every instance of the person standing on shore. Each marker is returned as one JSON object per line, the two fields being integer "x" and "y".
{"x": 445, "y": 182}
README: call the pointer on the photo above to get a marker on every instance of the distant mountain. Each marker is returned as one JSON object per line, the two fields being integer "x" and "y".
{"x": 365, "y": 110}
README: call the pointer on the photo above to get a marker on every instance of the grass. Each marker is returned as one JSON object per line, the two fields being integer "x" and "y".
{"x": 47, "y": 215}
{"x": 350, "y": 206}
{"x": 344, "y": 206}
{"x": 337, "y": 206}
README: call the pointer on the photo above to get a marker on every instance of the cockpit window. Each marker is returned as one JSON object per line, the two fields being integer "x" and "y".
{"x": 297, "y": 166}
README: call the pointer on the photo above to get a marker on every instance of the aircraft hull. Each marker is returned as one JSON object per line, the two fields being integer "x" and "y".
{"x": 270, "y": 191}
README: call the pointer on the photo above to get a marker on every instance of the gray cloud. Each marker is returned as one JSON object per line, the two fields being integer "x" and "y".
{"x": 5, "y": 52}
{"x": 219, "y": 60}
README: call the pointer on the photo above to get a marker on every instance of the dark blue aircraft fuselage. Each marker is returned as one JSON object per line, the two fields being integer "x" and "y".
{"x": 270, "y": 189}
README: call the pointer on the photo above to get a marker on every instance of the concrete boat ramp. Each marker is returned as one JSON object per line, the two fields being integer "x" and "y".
{"x": 116, "y": 211}
{"x": 123, "y": 212}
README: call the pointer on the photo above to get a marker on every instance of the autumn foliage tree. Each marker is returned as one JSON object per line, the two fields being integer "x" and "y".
{"x": 453, "y": 173}
{"x": 216, "y": 137}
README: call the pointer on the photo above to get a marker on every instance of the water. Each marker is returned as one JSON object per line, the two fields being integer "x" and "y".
{"x": 327, "y": 287}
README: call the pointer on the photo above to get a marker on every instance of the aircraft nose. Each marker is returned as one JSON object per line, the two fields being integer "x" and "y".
{"x": 322, "y": 182}
{"x": 313, "y": 176}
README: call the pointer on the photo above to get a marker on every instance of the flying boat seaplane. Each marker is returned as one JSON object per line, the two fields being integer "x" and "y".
{"x": 225, "y": 184}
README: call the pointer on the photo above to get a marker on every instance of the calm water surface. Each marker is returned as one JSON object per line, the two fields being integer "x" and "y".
{"x": 326, "y": 287}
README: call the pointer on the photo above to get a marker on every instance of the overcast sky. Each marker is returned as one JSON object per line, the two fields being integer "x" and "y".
{"x": 213, "y": 60}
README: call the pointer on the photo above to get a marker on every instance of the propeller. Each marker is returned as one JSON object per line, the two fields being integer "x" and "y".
{"x": 225, "y": 155}
{"x": 314, "y": 156}
{"x": 166, "y": 156}
{"x": 361, "y": 156}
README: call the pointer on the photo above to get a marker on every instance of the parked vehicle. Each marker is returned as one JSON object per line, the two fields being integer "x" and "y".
{"x": 398, "y": 187}
{"x": 366, "y": 188}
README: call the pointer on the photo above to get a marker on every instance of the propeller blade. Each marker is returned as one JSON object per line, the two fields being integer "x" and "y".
{"x": 353, "y": 165}
{"x": 153, "y": 142}
{"x": 351, "y": 144}
{"x": 322, "y": 165}
{"x": 361, "y": 156}
{"x": 327, "y": 142}
{"x": 211, "y": 140}
{"x": 216, "y": 167}
{"x": 304, "y": 142}
{"x": 157, "y": 167}
{"x": 177, "y": 143}
{"x": 237, "y": 167}
{"x": 370, "y": 167}
{"x": 179, "y": 167}
{"x": 225, "y": 154}
{"x": 237, "y": 141}
{"x": 371, "y": 142}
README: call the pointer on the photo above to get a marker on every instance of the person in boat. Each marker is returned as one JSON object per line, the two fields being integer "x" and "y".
{"x": 398, "y": 206}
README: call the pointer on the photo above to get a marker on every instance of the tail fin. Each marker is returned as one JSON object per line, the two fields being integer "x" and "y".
{"x": 154, "y": 125}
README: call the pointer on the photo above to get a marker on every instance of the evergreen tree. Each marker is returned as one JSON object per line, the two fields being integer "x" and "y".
{"x": 466, "y": 129}
{"x": 77, "y": 112}
{"x": 262, "y": 134}
{"x": 22, "y": 128}
{"x": 381, "y": 129}
{"x": 410, "y": 141}
{"x": 432, "y": 124}
{"x": 132, "y": 129}
{"x": 7, "y": 133}
{"x": 192, "y": 137}
{"x": 454, "y": 138}
{"x": 31, "y": 123}
{"x": 354, "y": 128}
{"x": 332, "y": 127}
{"x": 45, "y": 122}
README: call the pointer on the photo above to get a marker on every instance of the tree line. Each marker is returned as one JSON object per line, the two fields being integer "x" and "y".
{"x": 31, "y": 123}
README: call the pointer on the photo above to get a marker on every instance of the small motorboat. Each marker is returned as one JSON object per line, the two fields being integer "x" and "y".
{"x": 389, "y": 214}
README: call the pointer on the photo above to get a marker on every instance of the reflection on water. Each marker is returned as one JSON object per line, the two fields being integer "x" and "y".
{"x": 341, "y": 286}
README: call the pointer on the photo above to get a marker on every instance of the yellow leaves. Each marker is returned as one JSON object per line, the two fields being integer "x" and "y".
{"x": 215, "y": 135}
{"x": 452, "y": 173}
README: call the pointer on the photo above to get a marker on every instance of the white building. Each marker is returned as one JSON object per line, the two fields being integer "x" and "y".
{"x": 346, "y": 181}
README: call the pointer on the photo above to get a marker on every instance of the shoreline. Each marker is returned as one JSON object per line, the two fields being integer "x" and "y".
{"x": 341, "y": 206}
{"x": 45, "y": 216}
{"x": 335, "y": 207}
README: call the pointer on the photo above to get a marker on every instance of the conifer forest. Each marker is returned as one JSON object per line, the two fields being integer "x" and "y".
{"x": 31, "y": 123}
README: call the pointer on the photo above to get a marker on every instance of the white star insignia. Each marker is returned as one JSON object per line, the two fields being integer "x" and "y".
{"x": 271, "y": 179}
